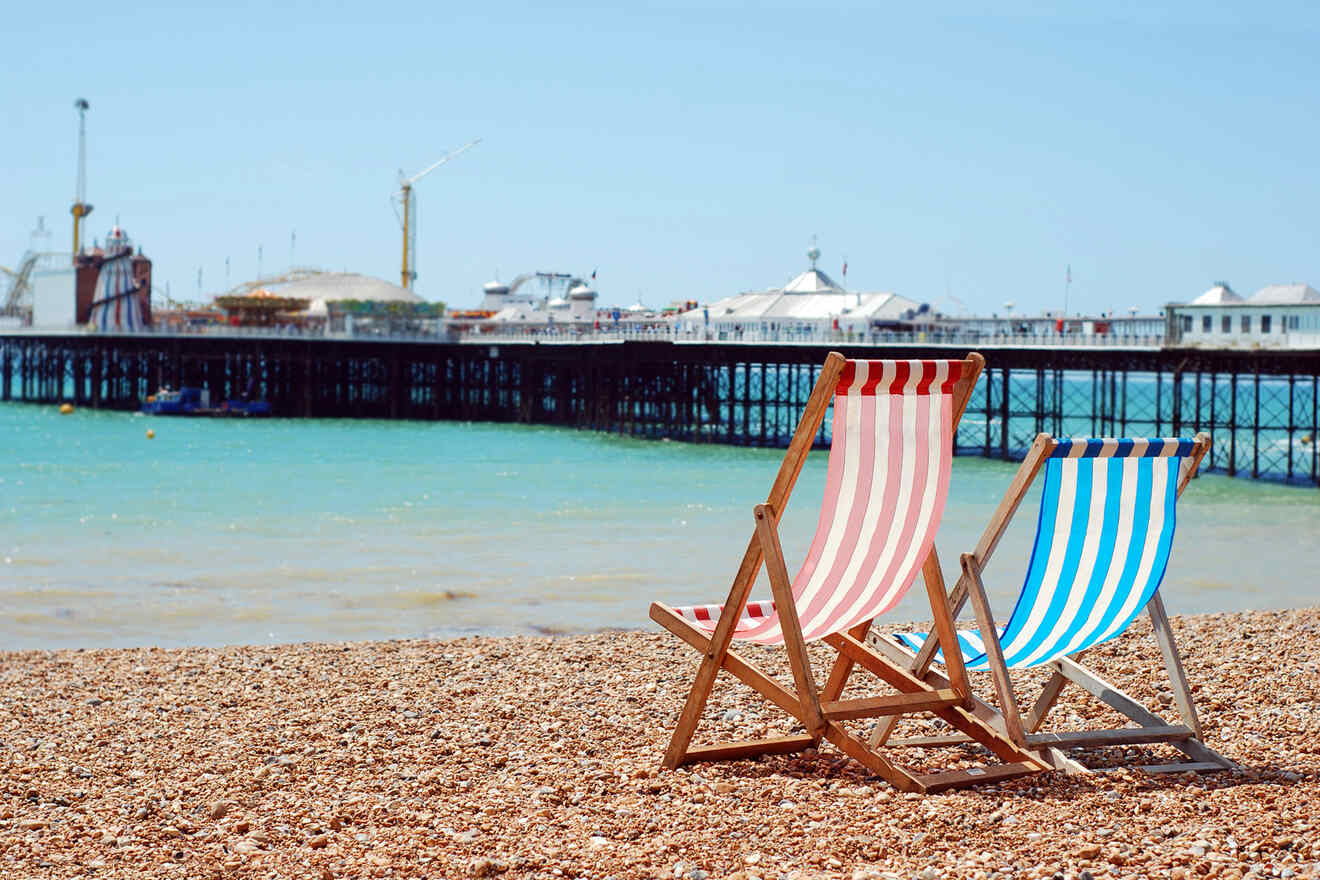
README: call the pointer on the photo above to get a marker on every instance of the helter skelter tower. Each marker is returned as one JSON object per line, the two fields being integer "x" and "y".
{"x": 80, "y": 207}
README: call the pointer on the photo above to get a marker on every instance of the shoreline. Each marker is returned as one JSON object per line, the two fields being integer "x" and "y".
{"x": 538, "y": 756}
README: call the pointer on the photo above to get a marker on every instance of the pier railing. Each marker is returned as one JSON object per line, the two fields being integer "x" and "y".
{"x": 584, "y": 334}
{"x": 789, "y": 336}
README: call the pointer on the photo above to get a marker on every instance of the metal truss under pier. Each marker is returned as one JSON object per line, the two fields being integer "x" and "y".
{"x": 1259, "y": 406}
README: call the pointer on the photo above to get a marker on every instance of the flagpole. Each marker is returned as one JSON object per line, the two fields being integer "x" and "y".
{"x": 1066, "y": 285}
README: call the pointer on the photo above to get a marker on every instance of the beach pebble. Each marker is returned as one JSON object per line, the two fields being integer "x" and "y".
{"x": 486, "y": 867}
{"x": 571, "y": 783}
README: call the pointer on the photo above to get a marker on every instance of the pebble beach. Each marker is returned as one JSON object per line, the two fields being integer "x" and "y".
{"x": 539, "y": 757}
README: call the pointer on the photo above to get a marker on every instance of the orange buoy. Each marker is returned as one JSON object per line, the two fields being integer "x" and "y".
{"x": 150, "y": 434}
{"x": 66, "y": 409}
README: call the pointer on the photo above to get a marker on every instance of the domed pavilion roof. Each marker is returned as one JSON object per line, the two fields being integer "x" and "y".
{"x": 334, "y": 286}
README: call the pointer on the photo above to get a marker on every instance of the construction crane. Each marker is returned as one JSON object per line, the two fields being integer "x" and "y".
{"x": 80, "y": 207}
{"x": 408, "y": 217}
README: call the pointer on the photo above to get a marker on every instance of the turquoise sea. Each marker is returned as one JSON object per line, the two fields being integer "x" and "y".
{"x": 227, "y": 531}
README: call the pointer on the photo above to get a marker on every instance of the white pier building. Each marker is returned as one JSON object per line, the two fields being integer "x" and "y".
{"x": 811, "y": 304}
{"x": 1277, "y": 316}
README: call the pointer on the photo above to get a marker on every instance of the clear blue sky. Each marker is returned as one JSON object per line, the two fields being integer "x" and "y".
{"x": 684, "y": 152}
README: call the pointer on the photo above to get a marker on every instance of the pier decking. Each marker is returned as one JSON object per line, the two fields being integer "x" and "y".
{"x": 1260, "y": 406}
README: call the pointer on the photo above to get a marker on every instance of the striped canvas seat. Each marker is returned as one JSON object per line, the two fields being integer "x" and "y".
{"x": 1107, "y": 517}
{"x": 888, "y": 475}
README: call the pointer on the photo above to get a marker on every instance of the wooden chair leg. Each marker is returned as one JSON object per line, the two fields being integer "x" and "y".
{"x": 993, "y": 651}
{"x": 944, "y": 627}
{"x": 987, "y": 713}
{"x": 785, "y": 607}
{"x": 842, "y": 668}
{"x": 926, "y": 656}
{"x": 921, "y": 663}
{"x": 716, "y": 647}
{"x": 1182, "y": 694}
{"x": 1113, "y": 697}
{"x": 740, "y": 668}
{"x": 871, "y": 759}
{"x": 884, "y": 729}
{"x": 681, "y": 739}
{"x": 1049, "y": 695}
{"x": 961, "y": 718}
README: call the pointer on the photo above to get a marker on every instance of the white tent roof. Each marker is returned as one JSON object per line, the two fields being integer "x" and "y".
{"x": 333, "y": 286}
{"x": 531, "y": 313}
{"x": 782, "y": 304}
{"x": 1285, "y": 295}
{"x": 812, "y": 281}
{"x": 812, "y": 295}
{"x": 521, "y": 312}
{"x": 1220, "y": 294}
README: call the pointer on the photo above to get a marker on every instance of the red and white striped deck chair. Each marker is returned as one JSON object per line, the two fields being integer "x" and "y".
{"x": 888, "y": 475}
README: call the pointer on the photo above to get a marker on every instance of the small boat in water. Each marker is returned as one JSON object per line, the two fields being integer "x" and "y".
{"x": 188, "y": 401}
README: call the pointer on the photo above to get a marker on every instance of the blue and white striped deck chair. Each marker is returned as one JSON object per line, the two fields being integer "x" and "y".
{"x": 1103, "y": 538}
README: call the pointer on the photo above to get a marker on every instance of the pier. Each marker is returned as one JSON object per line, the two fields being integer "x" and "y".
{"x": 1259, "y": 406}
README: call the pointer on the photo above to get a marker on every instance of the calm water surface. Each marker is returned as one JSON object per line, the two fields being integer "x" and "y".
{"x": 223, "y": 532}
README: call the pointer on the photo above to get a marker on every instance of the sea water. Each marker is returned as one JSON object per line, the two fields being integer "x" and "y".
{"x": 227, "y": 531}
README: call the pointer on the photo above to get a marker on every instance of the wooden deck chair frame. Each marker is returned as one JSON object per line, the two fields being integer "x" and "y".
{"x": 1187, "y": 737}
{"x": 822, "y": 710}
